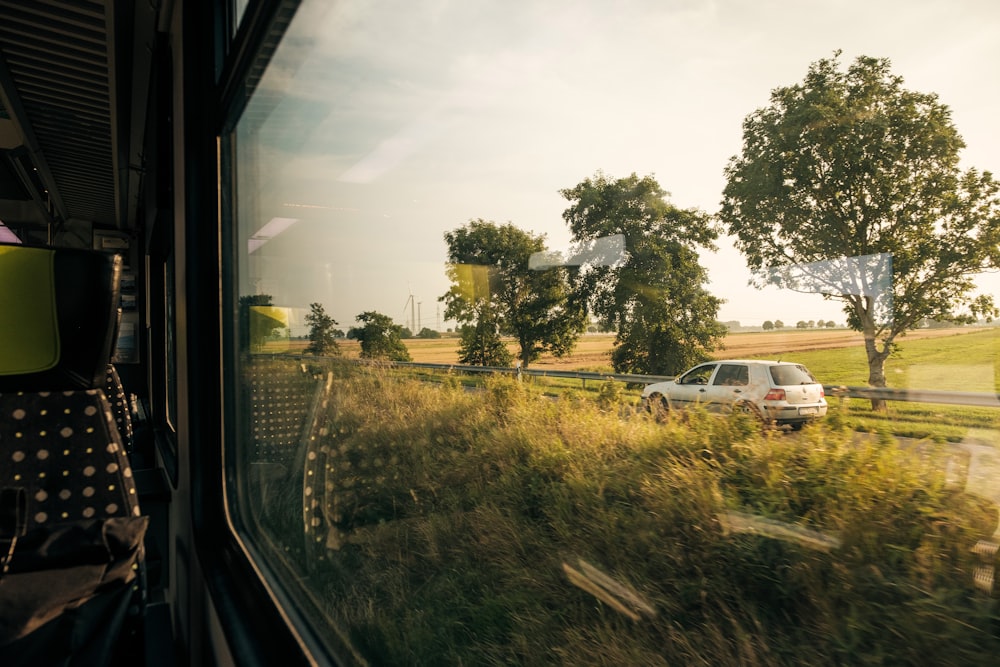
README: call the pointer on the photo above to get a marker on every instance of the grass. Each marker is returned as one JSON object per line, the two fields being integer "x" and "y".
{"x": 967, "y": 362}
{"x": 494, "y": 528}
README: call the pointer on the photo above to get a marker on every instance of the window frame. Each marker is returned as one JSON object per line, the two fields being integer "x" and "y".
{"x": 262, "y": 626}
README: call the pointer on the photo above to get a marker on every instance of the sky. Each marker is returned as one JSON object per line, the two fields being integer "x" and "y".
{"x": 380, "y": 126}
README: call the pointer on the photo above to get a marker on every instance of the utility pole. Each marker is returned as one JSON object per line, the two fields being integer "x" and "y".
{"x": 420, "y": 319}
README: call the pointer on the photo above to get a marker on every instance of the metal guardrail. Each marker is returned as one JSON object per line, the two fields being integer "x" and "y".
{"x": 966, "y": 398}
{"x": 538, "y": 372}
{"x": 917, "y": 395}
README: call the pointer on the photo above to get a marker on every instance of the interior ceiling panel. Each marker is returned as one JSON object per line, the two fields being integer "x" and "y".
{"x": 67, "y": 94}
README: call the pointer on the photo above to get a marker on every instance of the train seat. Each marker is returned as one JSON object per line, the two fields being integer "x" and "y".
{"x": 120, "y": 406}
{"x": 71, "y": 529}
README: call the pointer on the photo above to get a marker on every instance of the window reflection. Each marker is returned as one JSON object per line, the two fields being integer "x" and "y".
{"x": 535, "y": 513}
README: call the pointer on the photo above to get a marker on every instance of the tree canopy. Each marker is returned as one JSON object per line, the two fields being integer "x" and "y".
{"x": 321, "y": 339}
{"x": 497, "y": 289}
{"x": 849, "y": 185}
{"x": 380, "y": 337}
{"x": 652, "y": 294}
{"x": 481, "y": 344}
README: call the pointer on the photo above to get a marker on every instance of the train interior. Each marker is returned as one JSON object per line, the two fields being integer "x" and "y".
{"x": 82, "y": 136}
{"x": 119, "y": 122}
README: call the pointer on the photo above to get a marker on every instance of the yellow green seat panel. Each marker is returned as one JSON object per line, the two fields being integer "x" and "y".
{"x": 29, "y": 327}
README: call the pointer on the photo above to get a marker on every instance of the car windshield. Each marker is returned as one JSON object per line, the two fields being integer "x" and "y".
{"x": 785, "y": 375}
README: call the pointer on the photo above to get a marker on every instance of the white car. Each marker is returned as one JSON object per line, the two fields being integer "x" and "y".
{"x": 777, "y": 392}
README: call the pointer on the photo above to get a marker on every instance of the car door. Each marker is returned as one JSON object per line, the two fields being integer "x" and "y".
{"x": 728, "y": 386}
{"x": 692, "y": 386}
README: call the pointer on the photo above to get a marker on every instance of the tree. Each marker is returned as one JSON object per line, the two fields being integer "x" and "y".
{"x": 768, "y": 325}
{"x": 652, "y": 295}
{"x": 497, "y": 288}
{"x": 380, "y": 337}
{"x": 321, "y": 338}
{"x": 428, "y": 333}
{"x": 849, "y": 185}
{"x": 481, "y": 344}
{"x": 778, "y": 324}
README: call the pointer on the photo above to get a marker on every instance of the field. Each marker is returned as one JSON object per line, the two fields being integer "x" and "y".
{"x": 491, "y": 527}
{"x": 954, "y": 359}
{"x": 494, "y": 528}
{"x": 593, "y": 350}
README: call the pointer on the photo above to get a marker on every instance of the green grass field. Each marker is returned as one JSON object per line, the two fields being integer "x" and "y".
{"x": 498, "y": 528}
{"x": 963, "y": 362}
{"x": 968, "y": 362}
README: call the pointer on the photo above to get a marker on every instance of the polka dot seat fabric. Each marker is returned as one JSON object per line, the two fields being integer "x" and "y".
{"x": 120, "y": 408}
{"x": 72, "y": 462}
{"x": 77, "y": 524}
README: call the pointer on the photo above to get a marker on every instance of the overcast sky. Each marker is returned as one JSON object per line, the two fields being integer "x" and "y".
{"x": 399, "y": 121}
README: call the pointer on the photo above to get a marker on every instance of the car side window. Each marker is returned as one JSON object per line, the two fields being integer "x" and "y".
{"x": 732, "y": 375}
{"x": 699, "y": 375}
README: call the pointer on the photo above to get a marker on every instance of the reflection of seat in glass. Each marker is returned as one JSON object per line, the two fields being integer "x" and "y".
{"x": 288, "y": 404}
{"x": 71, "y": 531}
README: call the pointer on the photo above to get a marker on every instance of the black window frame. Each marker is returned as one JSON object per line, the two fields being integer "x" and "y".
{"x": 261, "y": 624}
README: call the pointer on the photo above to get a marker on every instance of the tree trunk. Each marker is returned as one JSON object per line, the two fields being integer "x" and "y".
{"x": 876, "y": 368}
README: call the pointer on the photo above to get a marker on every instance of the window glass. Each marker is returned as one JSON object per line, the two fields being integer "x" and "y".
{"x": 469, "y": 233}
{"x": 170, "y": 329}
{"x": 789, "y": 374}
{"x": 699, "y": 375}
{"x": 732, "y": 375}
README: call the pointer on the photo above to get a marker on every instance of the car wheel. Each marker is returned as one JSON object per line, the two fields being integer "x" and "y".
{"x": 658, "y": 406}
{"x": 752, "y": 410}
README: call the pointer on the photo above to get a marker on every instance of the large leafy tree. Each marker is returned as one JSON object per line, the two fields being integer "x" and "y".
{"x": 849, "y": 185}
{"x": 321, "y": 338}
{"x": 380, "y": 337}
{"x": 496, "y": 288}
{"x": 653, "y": 293}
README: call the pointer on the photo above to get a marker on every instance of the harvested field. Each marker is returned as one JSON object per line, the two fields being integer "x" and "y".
{"x": 593, "y": 350}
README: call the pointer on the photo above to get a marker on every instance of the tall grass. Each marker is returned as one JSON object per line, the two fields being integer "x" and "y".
{"x": 962, "y": 362}
{"x": 484, "y": 527}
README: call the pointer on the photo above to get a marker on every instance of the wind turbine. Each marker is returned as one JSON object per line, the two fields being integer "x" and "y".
{"x": 410, "y": 303}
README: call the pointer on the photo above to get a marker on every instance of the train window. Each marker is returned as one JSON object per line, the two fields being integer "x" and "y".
{"x": 467, "y": 234}
{"x": 170, "y": 331}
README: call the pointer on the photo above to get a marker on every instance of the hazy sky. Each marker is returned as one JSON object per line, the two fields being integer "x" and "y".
{"x": 384, "y": 125}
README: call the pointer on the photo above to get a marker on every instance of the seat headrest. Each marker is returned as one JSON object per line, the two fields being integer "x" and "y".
{"x": 58, "y": 317}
